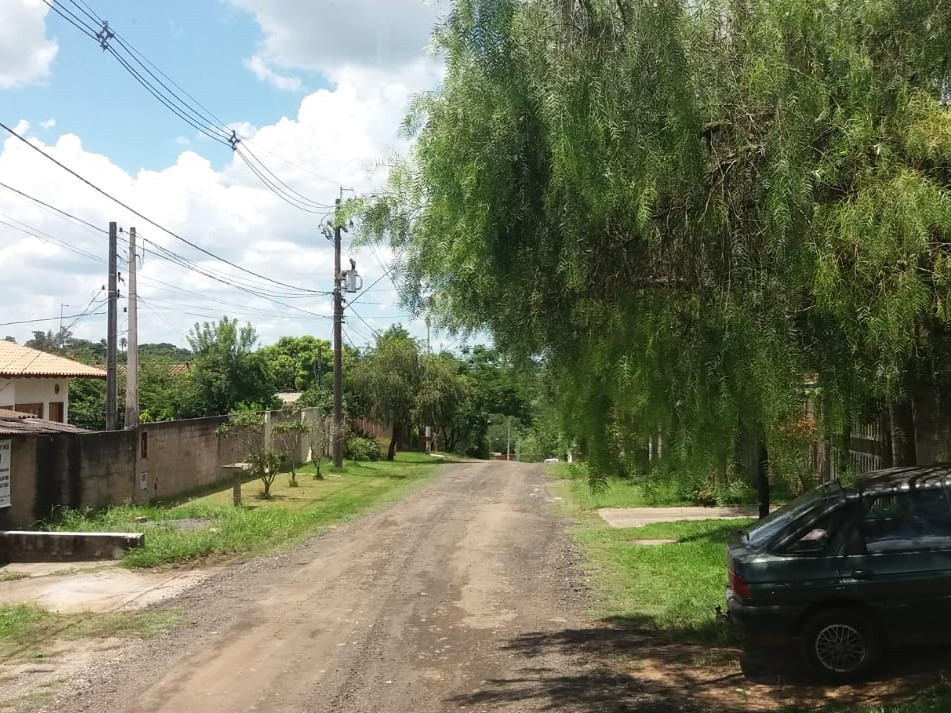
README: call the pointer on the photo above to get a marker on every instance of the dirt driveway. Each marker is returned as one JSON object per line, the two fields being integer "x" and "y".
{"x": 464, "y": 595}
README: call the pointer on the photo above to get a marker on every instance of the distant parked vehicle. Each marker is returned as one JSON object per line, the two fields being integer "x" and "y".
{"x": 849, "y": 569}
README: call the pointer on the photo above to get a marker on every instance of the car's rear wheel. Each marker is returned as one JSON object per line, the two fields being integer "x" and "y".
{"x": 840, "y": 644}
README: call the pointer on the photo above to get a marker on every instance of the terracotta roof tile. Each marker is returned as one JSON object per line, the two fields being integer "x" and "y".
{"x": 17, "y": 360}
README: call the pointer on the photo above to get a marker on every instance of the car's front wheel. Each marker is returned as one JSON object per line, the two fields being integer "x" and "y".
{"x": 840, "y": 644}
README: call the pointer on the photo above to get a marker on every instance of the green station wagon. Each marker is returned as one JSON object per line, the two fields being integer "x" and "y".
{"x": 849, "y": 569}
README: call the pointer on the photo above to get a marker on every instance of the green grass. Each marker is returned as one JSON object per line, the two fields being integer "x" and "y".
{"x": 937, "y": 699}
{"x": 618, "y": 492}
{"x": 258, "y": 525}
{"x": 671, "y": 589}
{"x": 26, "y": 629}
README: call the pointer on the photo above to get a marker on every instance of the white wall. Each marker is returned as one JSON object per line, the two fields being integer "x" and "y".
{"x": 35, "y": 390}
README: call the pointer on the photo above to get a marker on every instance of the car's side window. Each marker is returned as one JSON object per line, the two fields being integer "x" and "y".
{"x": 818, "y": 539}
{"x": 909, "y": 520}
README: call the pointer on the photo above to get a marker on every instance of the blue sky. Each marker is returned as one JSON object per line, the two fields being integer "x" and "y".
{"x": 316, "y": 87}
{"x": 199, "y": 44}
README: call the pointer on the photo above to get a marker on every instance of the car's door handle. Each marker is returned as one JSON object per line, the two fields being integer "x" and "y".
{"x": 862, "y": 573}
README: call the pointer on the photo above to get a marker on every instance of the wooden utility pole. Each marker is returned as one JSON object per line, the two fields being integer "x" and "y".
{"x": 337, "y": 445}
{"x": 112, "y": 417}
{"x": 132, "y": 353}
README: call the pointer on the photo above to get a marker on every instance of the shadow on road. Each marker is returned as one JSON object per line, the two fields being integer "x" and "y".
{"x": 613, "y": 669}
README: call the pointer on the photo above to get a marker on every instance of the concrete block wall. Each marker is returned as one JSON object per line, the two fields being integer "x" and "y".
{"x": 67, "y": 470}
{"x": 22, "y": 488}
{"x": 177, "y": 456}
{"x": 157, "y": 460}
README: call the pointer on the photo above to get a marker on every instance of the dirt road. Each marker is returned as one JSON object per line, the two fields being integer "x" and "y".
{"x": 442, "y": 601}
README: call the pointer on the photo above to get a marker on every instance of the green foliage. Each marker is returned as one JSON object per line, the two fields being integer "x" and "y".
{"x": 529, "y": 448}
{"x": 299, "y": 363}
{"x": 388, "y": 380}
{"x": 360, "y": 449}
{"x": 269, "y": 524}
{"x": 265, "y": 464}
{"x": 225, "y": 370}
{"x": 289, "y": 434}
{"x": 687, "y": 208}
{"x": 87, "y": 403}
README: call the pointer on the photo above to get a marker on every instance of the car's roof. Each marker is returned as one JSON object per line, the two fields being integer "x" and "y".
{"x": 905, "y": 478}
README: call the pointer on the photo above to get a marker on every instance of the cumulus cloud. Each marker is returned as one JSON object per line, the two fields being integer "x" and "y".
{"x": 262, "y": 71}
{"x": 336, "y": 137}
{"x": 25, "y": 52}
{"x": 322, "y": 35}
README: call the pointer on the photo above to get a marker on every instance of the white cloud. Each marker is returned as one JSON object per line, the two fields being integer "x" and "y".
{"x": 262, "y": 71}
{"x": 322, "y": 35}
{"x": 48, "y": 124}
{"x": 335, "y": 137}
{"x": 25, "y": 52}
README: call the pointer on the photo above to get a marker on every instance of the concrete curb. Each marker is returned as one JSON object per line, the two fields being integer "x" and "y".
{"x": 31, "y": 546}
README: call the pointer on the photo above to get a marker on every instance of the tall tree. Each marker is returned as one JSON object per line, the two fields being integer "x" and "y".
{"x": 226, "y": 371}
{"x": 389, "y": 379}
{"x": 688, "y": 207}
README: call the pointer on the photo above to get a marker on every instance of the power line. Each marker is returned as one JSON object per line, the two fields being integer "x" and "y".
{"x": 367, "y": 289}
{"x": 149, "y": 220}
{"x": 376, "y": 332}
{"x": 53, "y": 208}
{"x": 49, "y": 319}
{"x": 170, "y": 94}
{"x": 36, "y": 232}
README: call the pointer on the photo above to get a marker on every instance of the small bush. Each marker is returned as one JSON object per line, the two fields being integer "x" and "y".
{"x": 362, "y": 449}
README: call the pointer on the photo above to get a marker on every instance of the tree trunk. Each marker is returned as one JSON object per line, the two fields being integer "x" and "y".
{"x": 903, "y": 433}
{"x": 885, "y": 440}
{"x": 394, "y": 440}
{"x": 762, "y": 478}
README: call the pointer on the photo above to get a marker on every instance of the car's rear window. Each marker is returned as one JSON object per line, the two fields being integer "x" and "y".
{"x": 806, "y": 506}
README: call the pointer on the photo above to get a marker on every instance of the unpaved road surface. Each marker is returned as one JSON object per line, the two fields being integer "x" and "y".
{"x": 465, "y": 595}
{"x": 450, "y": 599}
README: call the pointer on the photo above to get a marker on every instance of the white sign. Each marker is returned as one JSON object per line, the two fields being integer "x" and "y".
{"x": 5, "y": 454}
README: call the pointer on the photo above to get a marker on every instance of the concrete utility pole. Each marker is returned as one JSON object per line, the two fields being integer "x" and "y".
{"x": 132, "y": 353}
{"x": 337, "y": 445}
{"x": 112, "y": 416}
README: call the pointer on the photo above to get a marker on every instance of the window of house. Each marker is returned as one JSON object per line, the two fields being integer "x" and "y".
{"x": 144, "y": 444}
{"x": 35, "y": 409}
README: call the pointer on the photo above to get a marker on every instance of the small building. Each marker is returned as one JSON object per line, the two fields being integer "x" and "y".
{"x": 37, "y": 383}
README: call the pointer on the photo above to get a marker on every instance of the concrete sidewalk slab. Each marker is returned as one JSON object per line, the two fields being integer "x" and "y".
{"x": 637, "y": 517}
{"x": 77, "y": 587}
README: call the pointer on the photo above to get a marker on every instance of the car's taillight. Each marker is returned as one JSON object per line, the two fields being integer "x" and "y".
{"x": 739, "y": 585}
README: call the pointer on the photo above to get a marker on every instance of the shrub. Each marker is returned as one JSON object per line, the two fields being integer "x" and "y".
{"x": 362, "y": 449}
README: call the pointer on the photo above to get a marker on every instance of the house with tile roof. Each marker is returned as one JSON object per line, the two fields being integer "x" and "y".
{"x": 37, "y": 383}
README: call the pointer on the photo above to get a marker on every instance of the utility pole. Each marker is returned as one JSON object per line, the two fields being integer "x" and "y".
{"x": 111, "y": 331}
{"x": 132, "y": 353}
{"x": 60, "y": 337}
{"x": 320, "y": 367}
{"x": 337, "y": 445}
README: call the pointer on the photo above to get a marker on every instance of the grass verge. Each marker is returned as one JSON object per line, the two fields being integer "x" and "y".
{"x": 211, "y": 527}
{"x": 26, "y": 630}
{"x": 669, "y": 590}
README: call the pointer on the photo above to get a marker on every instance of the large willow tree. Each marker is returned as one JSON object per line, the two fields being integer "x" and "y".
{"x": 689, "y": 206}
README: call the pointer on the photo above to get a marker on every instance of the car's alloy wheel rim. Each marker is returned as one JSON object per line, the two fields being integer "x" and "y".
{"x": 840, "y": 648}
